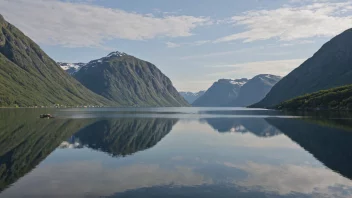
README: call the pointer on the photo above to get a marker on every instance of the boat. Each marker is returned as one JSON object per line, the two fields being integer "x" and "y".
{"x": 46, "y": 116}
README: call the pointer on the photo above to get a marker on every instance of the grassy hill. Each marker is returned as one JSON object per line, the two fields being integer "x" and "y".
{"x": 339, "y": 98}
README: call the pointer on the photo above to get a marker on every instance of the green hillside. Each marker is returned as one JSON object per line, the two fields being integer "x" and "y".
{"x": 29, "y": 77}
{"x": 337, "y": 98}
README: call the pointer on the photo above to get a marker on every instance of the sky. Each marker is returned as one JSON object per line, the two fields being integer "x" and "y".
{"x": 193, "y": 42}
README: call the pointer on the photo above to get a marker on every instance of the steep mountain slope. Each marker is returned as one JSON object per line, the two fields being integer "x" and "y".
{"x": 190, "y": 97}
{"x": 336, "y": 98}
{"x": 255, "y": 90}
{"x": 71, "y": 68}
{"x": 221, "y": 93}
{"x": 129, "y": 81}
{"x": 330, "y": 67}
{"x": 29, "y": 77}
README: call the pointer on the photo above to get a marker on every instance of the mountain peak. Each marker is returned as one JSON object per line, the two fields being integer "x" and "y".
{"x": 267, "y": 76}
{"x": 239, "y": 82}
{"x": 117, "y": 53}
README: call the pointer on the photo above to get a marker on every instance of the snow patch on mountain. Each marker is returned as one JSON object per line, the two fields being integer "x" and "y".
{"x": 117, "y": 53}
{"x": 239, "y": 82}
{"x": 105, "y": 58}
{"x": 71, "y": 68}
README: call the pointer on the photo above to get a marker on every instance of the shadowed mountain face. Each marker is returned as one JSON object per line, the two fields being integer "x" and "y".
{"x": 329, "y": 67}
{"x": 26, "y": 140}
{"x": 258, "y": 127}
{"x": 329, "y": 141}
{"x": 124, "y": 136}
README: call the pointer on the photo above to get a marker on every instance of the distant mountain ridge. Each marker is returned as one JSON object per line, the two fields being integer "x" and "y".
{"x": 190, "y": 97}
{"x": 29, "y": 77}
{"x": 221, "y": 93}
{"x": 330, "y": 66}
{"x": 237, "y": 93}
{"x": 255, "y": 90}
{"x": 129, "y": 81}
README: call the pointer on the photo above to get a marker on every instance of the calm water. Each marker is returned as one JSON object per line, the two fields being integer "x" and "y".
{"x": 174, "y": 152}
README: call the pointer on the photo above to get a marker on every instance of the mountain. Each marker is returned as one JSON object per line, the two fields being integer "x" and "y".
{"x": 29, "y": 77}
{"x": 71, "y": 68}
{"x": 255, "y": 90}
{"x": 330, "y": 67}
{"x": 129, "y": 81}
{"x": 221, "y": 93}
{"x": 190, "y": 97}
{"x": 335, "y": 98}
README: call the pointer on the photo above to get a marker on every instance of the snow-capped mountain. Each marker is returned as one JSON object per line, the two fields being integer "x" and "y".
{"x": 94, "y": 63}
{"x": 117, "y": 53}
{"x": 255, "y": 89}
{"x": 191, "y": 96}
{"x": 71, "y": 68}
{"x": 221, "y": 93}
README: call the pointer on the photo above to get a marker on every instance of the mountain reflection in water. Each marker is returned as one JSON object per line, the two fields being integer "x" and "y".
{"x": 123, "y": 136}
{"x": 170, "y": 157}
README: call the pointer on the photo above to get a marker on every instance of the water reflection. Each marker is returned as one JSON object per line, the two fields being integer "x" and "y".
{"x": 256, "y": 126}
{"x": 327, "y": 140}
{"x": 169, "y": 157}
{"x": 121, "y": 137}
{"x": 26, "y": 140}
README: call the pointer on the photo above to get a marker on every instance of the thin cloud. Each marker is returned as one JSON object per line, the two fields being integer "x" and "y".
{"x": 196, "y": 43}
{"x": 276, "y": 67}
{"x": 292, "y": 23}
{"x": 73, "y": 24}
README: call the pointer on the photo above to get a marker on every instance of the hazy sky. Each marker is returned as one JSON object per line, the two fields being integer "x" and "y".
{"x": 194, "y": 42}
